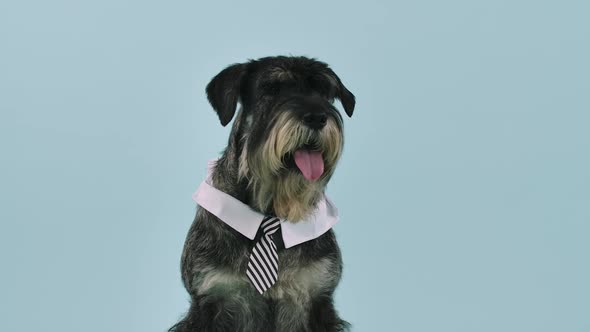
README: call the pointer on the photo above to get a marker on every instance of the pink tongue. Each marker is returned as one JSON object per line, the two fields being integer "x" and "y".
{"x": 310, "y": 163}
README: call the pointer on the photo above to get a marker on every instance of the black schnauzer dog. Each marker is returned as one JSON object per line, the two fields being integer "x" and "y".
{"x": 283, "y": 148}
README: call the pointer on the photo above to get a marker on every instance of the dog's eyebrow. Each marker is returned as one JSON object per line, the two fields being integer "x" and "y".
{"x": 280, "y": 74}
{"x": 274, "y": 85}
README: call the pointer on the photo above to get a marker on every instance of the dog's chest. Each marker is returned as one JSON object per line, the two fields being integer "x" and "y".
{"x": 303, "y": 276}
{"x": 306, "y": 269}
{"x": 298, "y": 276}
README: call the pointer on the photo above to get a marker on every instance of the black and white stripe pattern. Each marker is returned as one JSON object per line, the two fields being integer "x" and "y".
{"x": 263, "y": 265}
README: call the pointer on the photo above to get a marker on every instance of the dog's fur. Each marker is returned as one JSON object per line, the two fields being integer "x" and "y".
{"x": 257, "y": 168}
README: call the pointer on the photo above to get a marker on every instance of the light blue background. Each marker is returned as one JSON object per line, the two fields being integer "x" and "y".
{"x": 464, "y": 190}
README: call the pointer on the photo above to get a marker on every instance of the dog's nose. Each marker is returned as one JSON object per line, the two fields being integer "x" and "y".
{"x": 315, "y": 120}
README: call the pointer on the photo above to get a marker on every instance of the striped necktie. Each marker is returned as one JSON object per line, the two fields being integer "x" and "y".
{"x": 263, "y": 264}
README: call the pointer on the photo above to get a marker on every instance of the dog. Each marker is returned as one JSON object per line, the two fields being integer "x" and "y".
{"x": 285, "y": 142}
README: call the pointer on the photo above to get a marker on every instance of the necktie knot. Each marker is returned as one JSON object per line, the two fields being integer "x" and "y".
{"x": 270, "y": 226}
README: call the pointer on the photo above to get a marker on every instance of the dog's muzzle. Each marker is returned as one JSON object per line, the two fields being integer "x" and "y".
{"x": 314, "y": 115}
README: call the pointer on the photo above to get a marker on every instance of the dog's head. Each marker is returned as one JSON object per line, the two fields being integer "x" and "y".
{"x": 287, "y": 135}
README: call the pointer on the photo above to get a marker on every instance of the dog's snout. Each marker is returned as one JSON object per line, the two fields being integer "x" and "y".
{"x": 315, "y": 120}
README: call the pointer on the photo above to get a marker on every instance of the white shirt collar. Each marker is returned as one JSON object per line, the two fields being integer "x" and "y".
{"x": 245, "y": 220}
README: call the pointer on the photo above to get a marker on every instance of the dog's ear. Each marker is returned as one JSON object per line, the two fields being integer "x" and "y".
{"x": 223, "y": 92}
{"x": 346, "y": 97}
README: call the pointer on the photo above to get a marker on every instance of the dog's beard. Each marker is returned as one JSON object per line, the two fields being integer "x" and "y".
{"x": 275, "y": 184}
